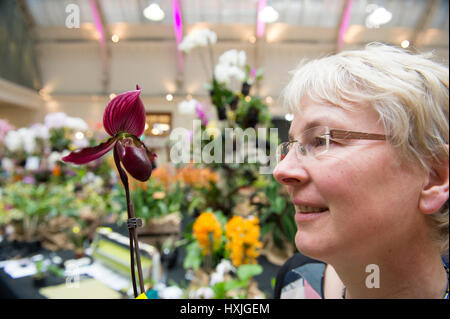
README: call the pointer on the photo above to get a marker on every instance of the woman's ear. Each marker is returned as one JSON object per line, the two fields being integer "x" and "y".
{"x": 435, "y": 193}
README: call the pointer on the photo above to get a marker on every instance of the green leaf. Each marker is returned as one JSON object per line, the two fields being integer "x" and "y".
{"x": 162, "y": 207}
{"x": 221, "y": 217}
{"x": 245, "y": 272}
{"x": 273, "y": 282}
{"x": 193, "y": 257}
{"x": 272, "y": 191}
{"x": 289, "y": 226}
{"x": 267, "y": 228}
{"x": 219, "y": 290}
{"x": 278, "y": 205}
{"x": 233, "y": 284}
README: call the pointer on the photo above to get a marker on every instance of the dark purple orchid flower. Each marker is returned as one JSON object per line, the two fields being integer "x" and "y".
{"x": 124, "y": 121}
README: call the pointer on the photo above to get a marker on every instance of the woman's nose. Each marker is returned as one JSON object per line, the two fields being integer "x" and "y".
{"x": 290, "y": 171}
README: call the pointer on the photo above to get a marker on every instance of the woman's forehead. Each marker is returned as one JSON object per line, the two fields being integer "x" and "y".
{"x": 312, "y": 112}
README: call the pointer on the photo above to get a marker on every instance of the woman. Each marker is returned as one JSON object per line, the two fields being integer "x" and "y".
{"x": 367, "y": 170}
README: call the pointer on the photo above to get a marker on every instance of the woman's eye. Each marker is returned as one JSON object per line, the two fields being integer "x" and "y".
{"x": 319, "y": 141}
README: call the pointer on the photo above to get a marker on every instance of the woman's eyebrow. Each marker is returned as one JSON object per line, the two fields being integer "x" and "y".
{"x": 308, "y": 125}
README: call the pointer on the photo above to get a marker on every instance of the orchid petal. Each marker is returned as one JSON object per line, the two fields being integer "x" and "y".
{"x": 88, "y": 154}
{"x": 135, "y": 160}
{"x": 125, "y": 113}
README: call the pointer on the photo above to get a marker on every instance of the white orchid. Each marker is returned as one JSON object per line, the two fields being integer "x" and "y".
{"x": 40, "y": 131}
{"x": 23, "y": 139}
{"x": 13, "y": 141}
{"x": 225, "y": 266}
{"x": 60, "y": 119}
{"x": 216, "y": 277}
{"x": 225, "y": 74}
{"x": 55, "y": 120}
{"x": 231, "y": 67}
{"x": 199, "y": 38}
{"x": 233, "y": 58}
{"x": 76, "y": 124}
{"x": 28, "y": 139}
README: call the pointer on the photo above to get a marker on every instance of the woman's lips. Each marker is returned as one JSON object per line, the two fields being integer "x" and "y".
{"x": 308, "y": 216}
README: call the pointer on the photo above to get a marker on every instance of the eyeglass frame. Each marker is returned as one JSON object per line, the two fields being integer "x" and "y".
{"x": 339, "y": 134}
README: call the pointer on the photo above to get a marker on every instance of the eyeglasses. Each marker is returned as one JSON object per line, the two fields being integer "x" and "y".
{"x": 316, "y": 141}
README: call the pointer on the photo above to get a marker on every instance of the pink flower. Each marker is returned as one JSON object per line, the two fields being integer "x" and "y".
{"x": 203, "y": 113}
{"x": 5, "y": 127}
{"x": 124, "y": 121}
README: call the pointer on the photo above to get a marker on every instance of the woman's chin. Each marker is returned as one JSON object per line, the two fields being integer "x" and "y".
{"x": 316, "y": 248}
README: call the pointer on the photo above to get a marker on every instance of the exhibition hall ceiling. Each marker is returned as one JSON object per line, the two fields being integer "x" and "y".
{"x": 138, "y": 49}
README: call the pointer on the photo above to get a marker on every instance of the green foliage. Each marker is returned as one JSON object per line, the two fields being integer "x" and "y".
{"x": 252, "y": 111}
{"x": 31, "y": 207}
{"x": 194, "y": 257}
{"x": 152, "y": 200}
{"x": 245, "y": 272}
{"x": 240, "y": 284}
{"x": 220, "y": 95}
{"x": 59, "y": 139}
{"x": 276, "y": 213}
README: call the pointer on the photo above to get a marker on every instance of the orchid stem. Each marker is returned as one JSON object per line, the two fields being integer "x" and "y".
{"x": 203, "y": 63}
{"x": 134, "y": 246}
{"x": 138, "y": 255}
{"x": 211, "y": 57}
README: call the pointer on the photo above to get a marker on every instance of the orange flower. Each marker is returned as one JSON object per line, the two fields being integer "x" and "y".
{"x": 196, "y": 177}
{"x": 207, "y": 228}
{"x": 56, "y": 171}
{"x": 243, "y": 240}
{"x": 164, "y": 175}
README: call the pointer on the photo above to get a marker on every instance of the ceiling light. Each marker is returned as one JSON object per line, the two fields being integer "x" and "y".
{"x": 154, "y": 12}
{"x": 115, "y": 38}
{"x": 268, "y": 14}
{"x": 405, "y": 44}
{"x": 111, "y": 96}
{"x": 79, "y": 135}
{"x": 169, "y": 97}
{"x": 289, "y": 117}
{"x": 378, "y": 17}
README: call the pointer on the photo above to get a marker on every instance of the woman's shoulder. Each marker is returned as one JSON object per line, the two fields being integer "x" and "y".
{"x": 300, "y": 277}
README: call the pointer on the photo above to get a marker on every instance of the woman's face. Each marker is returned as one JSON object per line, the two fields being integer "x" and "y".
{"x": 370, "y": 194}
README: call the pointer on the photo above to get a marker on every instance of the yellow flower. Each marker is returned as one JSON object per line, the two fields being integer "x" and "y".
{"x": 231, "y": 115}
{"x": 205, "y": 228}
{"x": 212, "y": 129}
{"x": 76, "y": 229}
{"x": 243, "y": 240}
